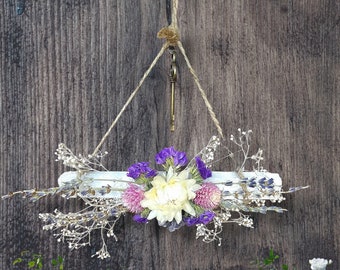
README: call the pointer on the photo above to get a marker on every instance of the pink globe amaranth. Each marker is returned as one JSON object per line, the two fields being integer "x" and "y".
{"x": 132, "y": 197}
{"x": 208, "y": 196}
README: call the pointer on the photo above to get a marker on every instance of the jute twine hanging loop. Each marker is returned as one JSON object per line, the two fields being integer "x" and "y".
{"x": 171, "y": 34}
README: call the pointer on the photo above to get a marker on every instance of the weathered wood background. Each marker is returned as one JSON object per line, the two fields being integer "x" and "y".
{"x": 68, "y": 66}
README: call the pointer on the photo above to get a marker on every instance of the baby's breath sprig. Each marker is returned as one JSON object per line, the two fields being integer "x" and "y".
{"x": 76, "y": 228}
{"x": 81, "y": 163}
{"x": 207, "y": 154}
{"x": 243, "y": 142}
{"x": 210, "y": 235}
{"x": 258, "y": 159}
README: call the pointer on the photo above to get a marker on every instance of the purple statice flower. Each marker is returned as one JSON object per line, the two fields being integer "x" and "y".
{"x": 179, "y": 158}
{"x": 163, "y": 155}
{"x": 202, "y": 168}
{"x": 141, "y": 169}
{"x": 206, "y": 217}
{"x": 191, "y": 221}
{"x": 138, "y": 218}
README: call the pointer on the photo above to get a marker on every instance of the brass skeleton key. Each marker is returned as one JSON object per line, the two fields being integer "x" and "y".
{"x": 173, "y": 79}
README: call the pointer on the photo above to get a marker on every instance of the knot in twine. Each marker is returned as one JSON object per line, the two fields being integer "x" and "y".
{"x": 170, "y": 33}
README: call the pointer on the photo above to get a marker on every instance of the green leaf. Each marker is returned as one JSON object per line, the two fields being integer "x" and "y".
{"x": 284, "y": 267}
{"x": 198, "y": 210}
{"x": 58, "y": 262}
{"x": 31, "y": 264}
{"x": 145, "y": 212}
{"x": 60, "y": 259}
{"x": 267, "y": 261}
{"x": 17, "y": 260}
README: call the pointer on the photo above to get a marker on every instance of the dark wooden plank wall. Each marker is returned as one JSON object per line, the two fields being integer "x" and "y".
{"x": 68, "y": 66}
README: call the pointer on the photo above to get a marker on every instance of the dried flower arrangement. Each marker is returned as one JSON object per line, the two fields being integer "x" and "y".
{"x": 185, "y": 193}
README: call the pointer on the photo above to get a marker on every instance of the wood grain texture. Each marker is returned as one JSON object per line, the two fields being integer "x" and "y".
{"x": 68, "y": 66}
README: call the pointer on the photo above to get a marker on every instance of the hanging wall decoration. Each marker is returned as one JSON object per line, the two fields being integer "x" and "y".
{"x": 185, "y": 192}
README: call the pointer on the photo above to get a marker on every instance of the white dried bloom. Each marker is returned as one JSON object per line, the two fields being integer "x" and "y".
{"x": 319, "y": 264}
